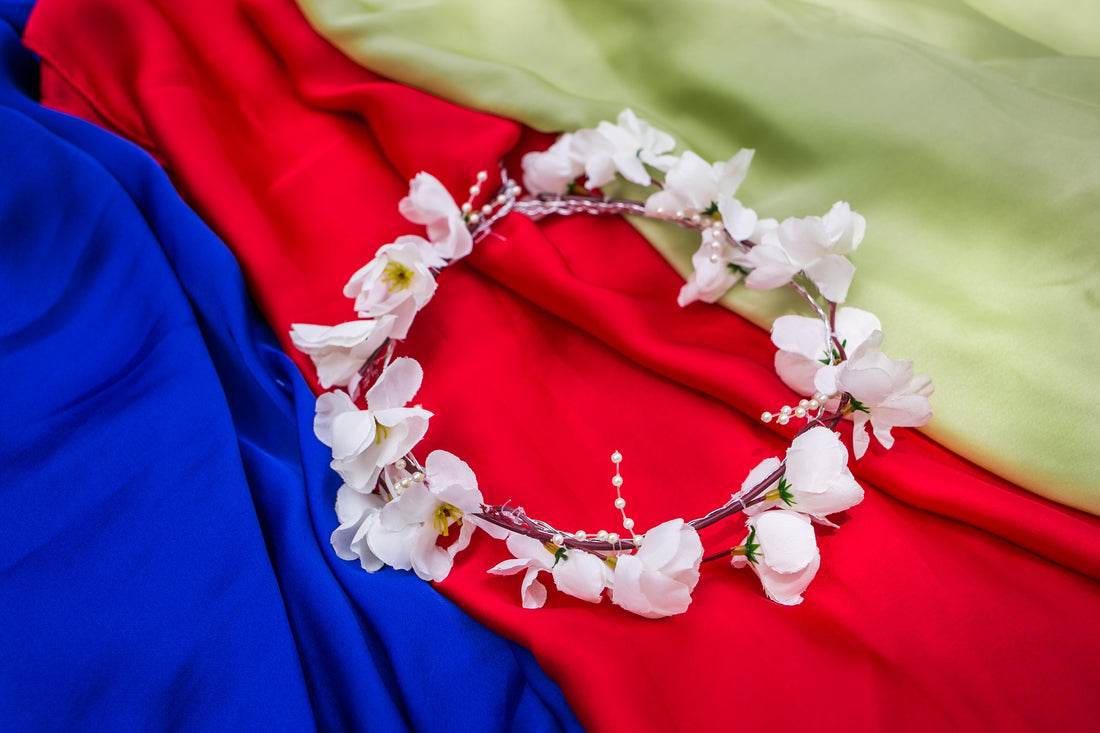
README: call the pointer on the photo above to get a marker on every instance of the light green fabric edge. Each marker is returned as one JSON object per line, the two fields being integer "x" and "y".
{"x": 973, "y": 151}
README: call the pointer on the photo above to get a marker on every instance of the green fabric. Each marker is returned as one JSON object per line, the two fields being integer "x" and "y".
{"x": 960, "y": 130}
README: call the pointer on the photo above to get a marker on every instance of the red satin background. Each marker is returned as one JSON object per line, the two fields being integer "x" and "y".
{"x": 948, "y": 598}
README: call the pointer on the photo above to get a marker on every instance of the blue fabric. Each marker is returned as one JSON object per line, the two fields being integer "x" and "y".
{"x": 164, "y": 506}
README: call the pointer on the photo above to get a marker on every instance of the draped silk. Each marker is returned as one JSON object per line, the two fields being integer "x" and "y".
{"x": 948, "y": 598}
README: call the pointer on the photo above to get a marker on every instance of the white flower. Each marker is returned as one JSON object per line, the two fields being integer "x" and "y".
{"x": 712, "y": 275}
{"x": 804, "y": 346}
{"x": 887, "y": 391}
{"x": 339, "y": 352}
{"x": 816, "y": 479}
{"x": 430, "y": 204}
{"x": 575, "y": 572}
{"x": 692, "y": 185}
{"x": 626, "y": 148}
{"x": 813, "y": 245}
{"x": 406, "y": 532}
{"x": 363, "y": 441}
{"x": 785, "y": 550}
{"x": 553, "y": 170}
{"x": 658, "y": 579}
{"x": 354, "y": 509}
{"x": 398, "y": 280}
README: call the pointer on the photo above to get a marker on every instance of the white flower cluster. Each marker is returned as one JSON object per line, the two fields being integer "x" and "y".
{"x": 394, "y": 512}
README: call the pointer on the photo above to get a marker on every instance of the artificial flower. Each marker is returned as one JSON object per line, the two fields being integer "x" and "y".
{"x": 657, "y": 579}
{"x": 339, "y": 352}
{"x": 804, "y": 346}
{"x": 397, "y": 281}
{"x": 625, "y": 148}
{"x": 782, "y": 551}
{"x": 430, "y": 204}
{"x": 814, "y": 245}
{"x": 363, "y": 441}
{"x": 575, "y": 572}
{"x": 712, "y": 275}
{"x": 553, "y": 170}
{"x": 816, "y": 480}
{"x": 406, "y": 533}
{"x": 885, "y": 392}
{"x": 694, "y": 186}
{"x": 353, "y": 510}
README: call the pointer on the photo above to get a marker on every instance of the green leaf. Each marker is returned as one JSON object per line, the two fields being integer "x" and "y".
{"x": 785, "y": 492}
{"x": 855, "y": 405}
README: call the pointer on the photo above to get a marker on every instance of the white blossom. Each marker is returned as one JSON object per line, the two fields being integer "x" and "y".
{"x": 625, "y": 148}
{"x": 353, "y": 510}
{"x": 804, "y": 346}
{"x": 886, "y": 392}
{"x": 693, "y": 186}
{"x": 814, "y": 245}
{"x": 712, "y": 276}
{"x": 785, "y": 550}
{"x": 430, "y": 204}
{"x": 553, "y": 170}
{"x": 363, "y": 441}
{"x": 397, "y": 281}
{"x": 657, "y": 579}
{"x": 339, "y": 352}
{"x": 406, "y": 532}
{"x": 816, "y": 479}
{"x": 575, "y": 572}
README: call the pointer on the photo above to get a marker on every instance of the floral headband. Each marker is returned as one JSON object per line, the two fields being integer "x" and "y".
{"x": 394, "y": 510}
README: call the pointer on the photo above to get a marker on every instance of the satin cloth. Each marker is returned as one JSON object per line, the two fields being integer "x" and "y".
{"x": 966, "y": 131}
{"x": 949, "y": 598}
{"x": 164, "y": 506}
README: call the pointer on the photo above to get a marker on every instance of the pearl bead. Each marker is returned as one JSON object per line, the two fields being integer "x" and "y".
{"x": 557, "y": 539}
{"x": 475, "y": 190}
{"x": 486, "y": 209}
{"x": 620, "y": 503}
{"x": 695, "y": 219}
{"x": 638, "y": 540}
{"x": 616, "y": 457}
{"x": 660, "y": 211}
{"x": 813, "y": 404}
{"x": 501, "y": 199}
{"x": 580, "y": 534}
{"x": 800, "y": 412}
{"x": 679, "y": 215}
{"x": 467, "y": 207}
{"x": 766, "y": 417}
{"x": 782, "y": 419}
{"x": 472, "y": 218}
{"x": 613, "y": 538}
{"x": 715, "y": 258}
{"x": 418, "y": 477}
{"x": 405, "y": 482}
{"x": 628, "y": 523}
{"x": 803, "y": 403}
{"x": 516, "y": 190}
{"x": 399, "y": 464}
{"x": 785, "y": 410}
{"x": 617, "y": 481}
{"x": 715, "y": 245}
{"x": 821, "y": 397}
{"x": 602, "y": 535}
{"x": 482, "y": 176}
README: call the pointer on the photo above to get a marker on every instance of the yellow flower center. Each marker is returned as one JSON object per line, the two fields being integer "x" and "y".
{"x": 443, "y": 516}
{"x": 381, "y": 432}
{"x": 396, "y": 276}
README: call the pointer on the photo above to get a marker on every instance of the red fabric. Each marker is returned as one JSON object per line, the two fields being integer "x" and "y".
{"x": 948, "y": 597}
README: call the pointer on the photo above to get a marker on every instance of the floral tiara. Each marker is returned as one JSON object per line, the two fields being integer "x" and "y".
{"x": 394, "y": 510}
